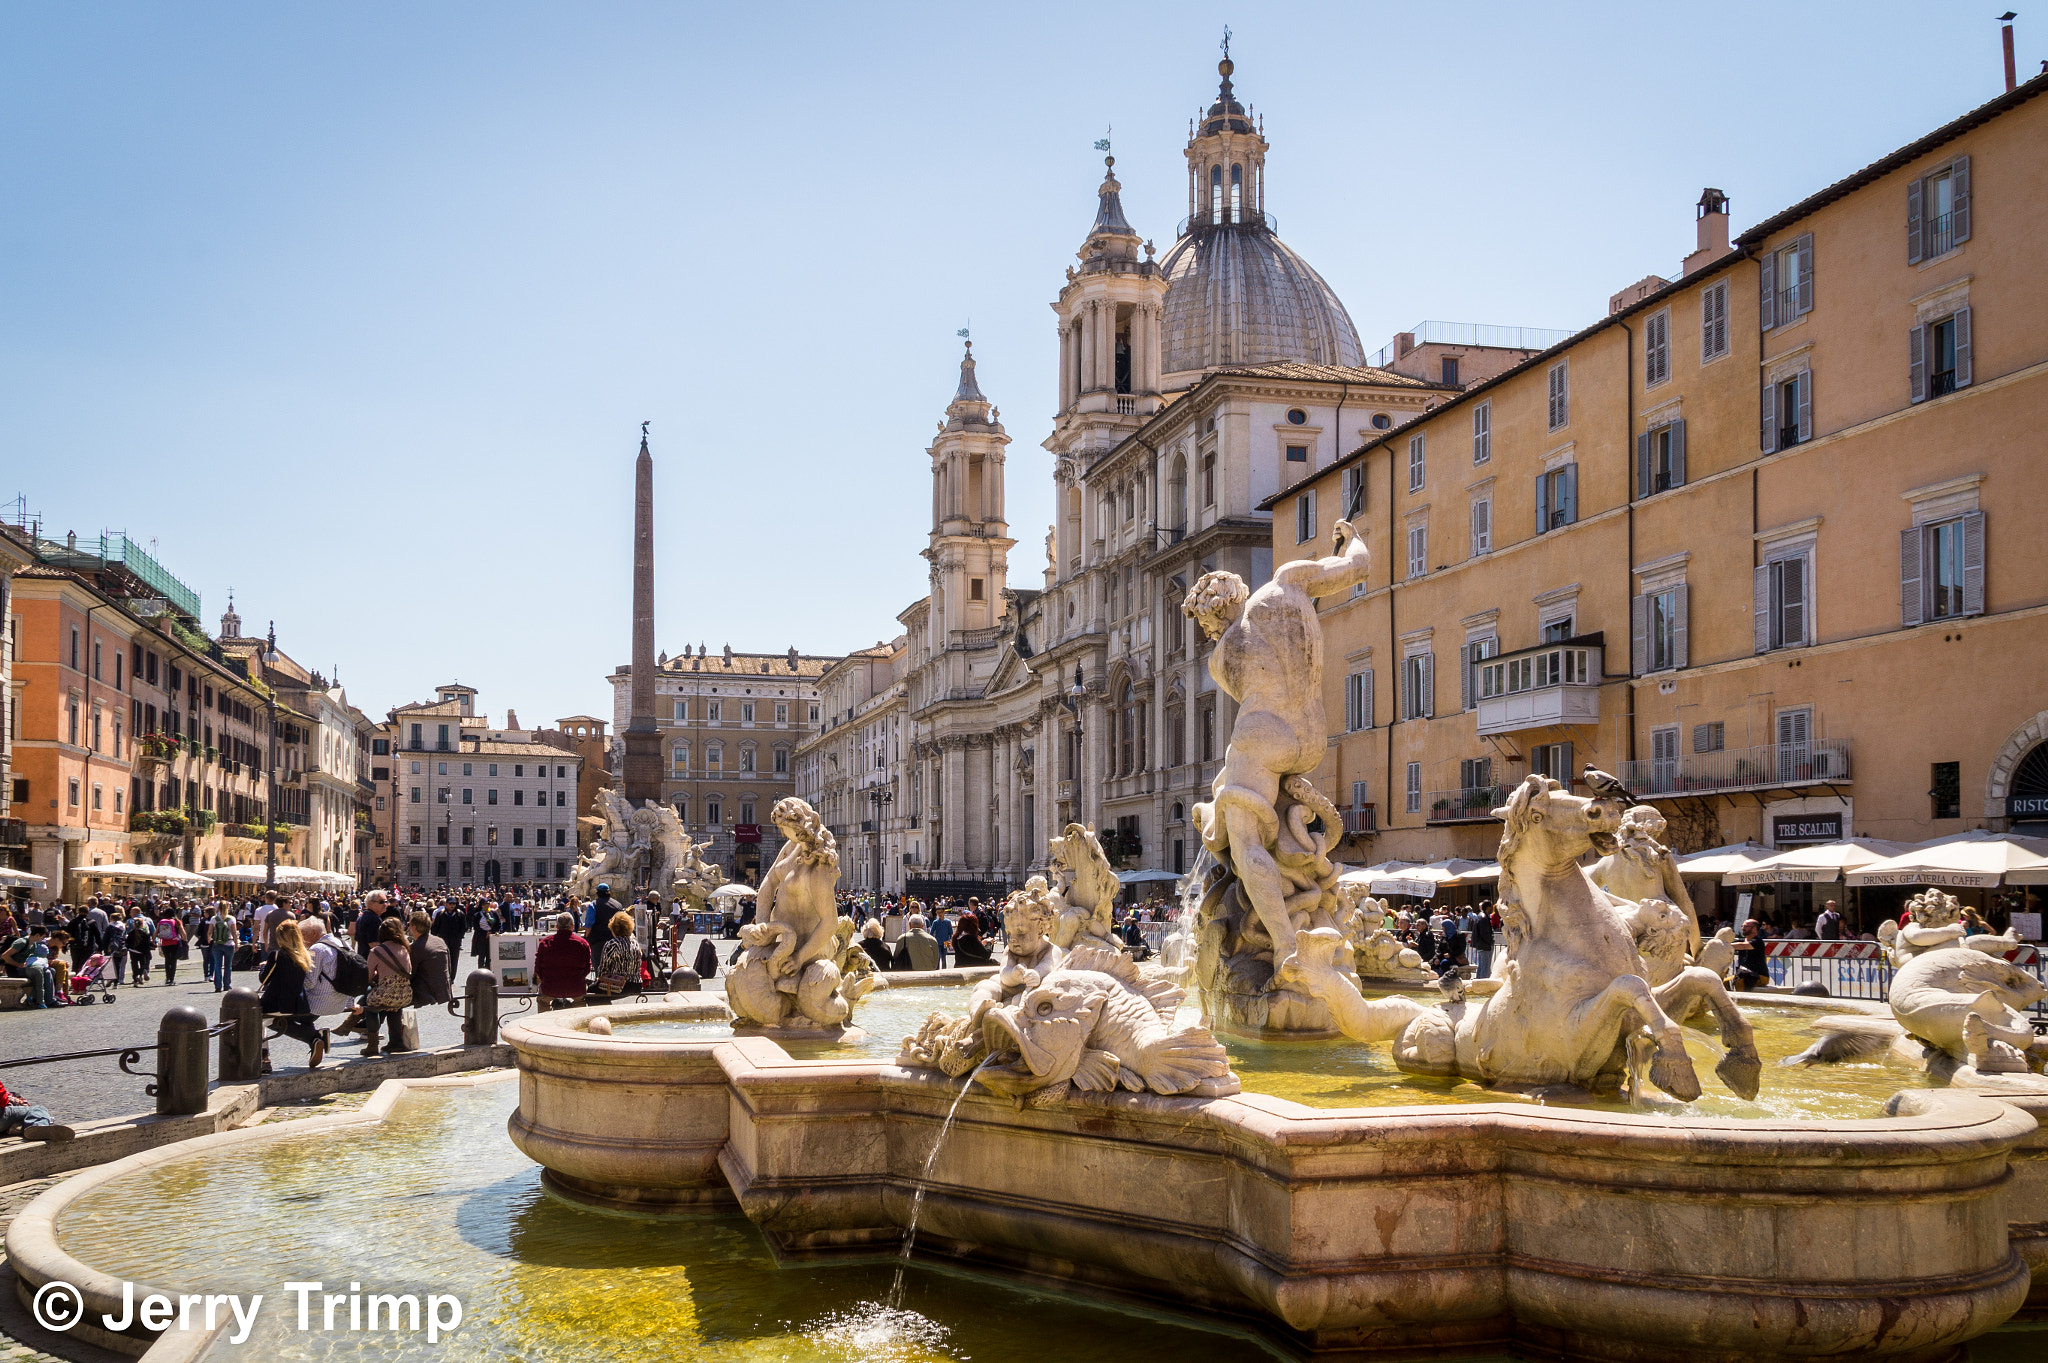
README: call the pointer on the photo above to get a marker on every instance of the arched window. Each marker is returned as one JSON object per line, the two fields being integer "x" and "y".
{"x": 1215, "y": 194}
{"x": 1237, "y": 193}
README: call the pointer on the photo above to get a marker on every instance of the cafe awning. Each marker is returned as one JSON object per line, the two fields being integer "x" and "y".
{"x": 1717, "y": 862}
{"x": 158, "y": 875}
{"x": 1819, "y": 864}
{"x": 1972, "y": 860}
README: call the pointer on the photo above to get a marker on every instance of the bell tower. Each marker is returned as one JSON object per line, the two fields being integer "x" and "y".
{"x": 970, "y": 541}
{"x": 1226, "y": 162}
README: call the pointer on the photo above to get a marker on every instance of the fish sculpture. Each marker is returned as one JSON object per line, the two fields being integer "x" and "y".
{"x": 1095, "y": 1024}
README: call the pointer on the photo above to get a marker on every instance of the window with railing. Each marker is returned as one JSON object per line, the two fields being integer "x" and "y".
{"x": 1534, "y": 671}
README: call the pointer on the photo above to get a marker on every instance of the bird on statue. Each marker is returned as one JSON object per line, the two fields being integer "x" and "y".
{"x": 1606, "y": 786}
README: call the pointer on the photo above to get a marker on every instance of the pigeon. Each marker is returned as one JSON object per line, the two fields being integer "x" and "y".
{"x": 1606, "y": 787}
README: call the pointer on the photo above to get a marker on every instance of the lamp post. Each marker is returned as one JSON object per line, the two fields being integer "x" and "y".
{"x": 880, "y": 797}
{"x": 270, "y": 764}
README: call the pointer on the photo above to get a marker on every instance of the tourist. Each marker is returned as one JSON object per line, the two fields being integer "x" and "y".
{"x": 561, "y": 965}
{"x": 274, "y": 914}
{"x": 618, "y": 961}
{"x": 222, "y": 937}
{"x": 1752, "y": 956}
{"x": 969, "y": 948}
{"x": 30, "y": 1121}
{"x": 916, "y": 949}
{"x": 707, "y": 960}
{"x": 284, "y": 996}
{"x": 1478, "y": 929}
{"x": 324, "y": 994}
{"x": 878, "y": 950}
{"x": 597, "y": 919}
{"x": 432, "y": 980}
{"x": 942, "y": 933}
{"x": 449, "y": 925}
{"x": 32, "y": 955}
{"x": 390, "y": 993}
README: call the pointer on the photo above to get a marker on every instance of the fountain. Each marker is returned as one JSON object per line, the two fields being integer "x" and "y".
{"x": 1446, "y": 1174}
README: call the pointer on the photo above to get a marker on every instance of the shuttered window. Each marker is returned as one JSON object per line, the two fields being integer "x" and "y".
{"x": 1664, "y": 758}
{"x": 1788, "y": 412}
{"x": 1482, "y": 433}
{"x": 1711, "y": 737}
{"x": 1358, "y": 701}
{"x": 1660, "y": 459}
{"x": 1786, "y": 284}
{"x": 1418, "y": 687}
{"x": 1482, "y": 526}
{"x": 1469, "y": 658}
{"x": 1938, "y": 356}
{"x": 1656, "y": 349}
{"x": 1657, "y": 622}
{"x": 1714, "y": 322}
{"x": 1560, "y": 395}
{"x": 1941, "y": 570}
{"x": 1557, "y": 498}
{"x": 1784, "y": 602}
{"x": 1414, "y": 804}
{"x": 1354, "y": 492}
{"x": 1938, "y": 211}
{"x": 1416, "y": 462}
{"x": 1418, "y": 550}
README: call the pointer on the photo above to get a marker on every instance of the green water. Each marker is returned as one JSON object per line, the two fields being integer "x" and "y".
{"x": 436, "y": 1200}
{"x": 1341, "y": 1074}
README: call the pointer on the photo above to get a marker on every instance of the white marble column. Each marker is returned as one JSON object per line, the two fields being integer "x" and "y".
{"x": 1084, "y": 336}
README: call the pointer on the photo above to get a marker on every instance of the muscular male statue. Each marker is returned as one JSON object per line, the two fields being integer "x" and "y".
{"x": 1269, "y": 659}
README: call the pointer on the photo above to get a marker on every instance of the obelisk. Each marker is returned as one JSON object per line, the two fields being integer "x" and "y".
{"x": 642, "y": 777}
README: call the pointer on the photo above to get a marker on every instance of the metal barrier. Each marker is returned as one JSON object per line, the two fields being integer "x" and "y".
{"x": 1860, "y": 970}
{"x": 179, "y": 1082}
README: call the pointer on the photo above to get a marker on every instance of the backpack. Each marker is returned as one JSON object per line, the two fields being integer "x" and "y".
{"x": 351, "y": 972}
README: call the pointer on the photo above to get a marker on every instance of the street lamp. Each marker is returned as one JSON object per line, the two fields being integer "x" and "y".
{"x": 270, "y": 766}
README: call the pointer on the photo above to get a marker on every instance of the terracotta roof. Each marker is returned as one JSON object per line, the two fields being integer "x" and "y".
{"x": 1326, "y": 373}
{"x": 474, "y": 747}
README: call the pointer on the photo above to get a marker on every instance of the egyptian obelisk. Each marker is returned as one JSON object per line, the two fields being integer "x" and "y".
{"x": 642, "y": 776}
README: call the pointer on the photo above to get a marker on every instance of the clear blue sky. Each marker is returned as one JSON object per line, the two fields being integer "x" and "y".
{"x": 358, "y": 308}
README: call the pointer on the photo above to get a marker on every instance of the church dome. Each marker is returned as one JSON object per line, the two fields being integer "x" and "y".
{"x": 1237, "y": 294}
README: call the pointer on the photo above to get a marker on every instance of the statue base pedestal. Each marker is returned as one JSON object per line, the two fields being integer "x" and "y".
{"x": 1270, "y": 1015}
{"x": 846, "y": 1034}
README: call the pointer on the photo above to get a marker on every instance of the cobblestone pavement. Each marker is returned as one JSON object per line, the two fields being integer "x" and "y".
{"x": 21, "y": 1339}
{"x": 89, "y": 1090}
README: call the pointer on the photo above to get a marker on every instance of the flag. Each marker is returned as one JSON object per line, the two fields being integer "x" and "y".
{"x": 961, "y": 332}
{"x": 1102, "y": 144}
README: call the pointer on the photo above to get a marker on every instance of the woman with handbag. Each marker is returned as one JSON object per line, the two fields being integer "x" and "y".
{"x": 390, "y": 987}
{"x": 284, "y": 996}
{"x": 170, "y": 944}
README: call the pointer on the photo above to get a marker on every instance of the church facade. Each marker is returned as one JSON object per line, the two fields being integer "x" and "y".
{"x": 1192, "y": 388}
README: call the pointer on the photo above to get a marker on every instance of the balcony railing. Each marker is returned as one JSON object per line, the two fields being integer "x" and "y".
{"x": 1466, "y": 804}
{"x": 1770, "y": 766}
{"x": 1941, "y": 236}
{"x": 1361, "y": 819}
{"x": 1536, "y": 688}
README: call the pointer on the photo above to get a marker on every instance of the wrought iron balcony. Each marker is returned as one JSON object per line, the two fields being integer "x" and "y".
{"x": 1769, "y": 766}
{"x": 1361, "y": 819}
{"x": 1537, "y": 688}
{"x": 1466, "y": 804}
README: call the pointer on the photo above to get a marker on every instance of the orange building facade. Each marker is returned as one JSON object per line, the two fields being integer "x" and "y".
{"x": 1770, "y": 541}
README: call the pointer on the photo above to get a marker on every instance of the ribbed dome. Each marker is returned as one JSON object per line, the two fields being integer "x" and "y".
{"x": 1237, "y": 294}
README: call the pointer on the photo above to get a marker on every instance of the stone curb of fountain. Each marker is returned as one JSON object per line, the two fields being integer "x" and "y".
{"x": 35, "y": 1258}
{"x": 21, "y": 1339}
{"x": 232, "y": 1105}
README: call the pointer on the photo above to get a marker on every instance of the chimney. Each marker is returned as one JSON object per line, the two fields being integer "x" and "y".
{"x": 2011, "y": 72}
{"x": 1712, "y": 226}
{"x": 511, "y": 719}
{"x": 1404, "y": 341}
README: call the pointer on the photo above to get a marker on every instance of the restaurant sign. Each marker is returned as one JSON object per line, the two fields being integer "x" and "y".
{"x": 2026, "y": 806}
{"x": 746, "y": 832}
{"x": 1792, "y": 830}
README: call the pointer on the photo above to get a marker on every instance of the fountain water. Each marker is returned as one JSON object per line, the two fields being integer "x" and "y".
{"x": 923, "y": 1182}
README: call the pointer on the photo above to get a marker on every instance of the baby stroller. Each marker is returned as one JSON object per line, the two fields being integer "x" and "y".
{"x": 96, "y": 974}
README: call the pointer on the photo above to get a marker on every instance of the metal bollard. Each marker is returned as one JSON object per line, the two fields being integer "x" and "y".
{"x": 480, "y": 1009}
{"x": 684, "y": 981}
{"x": 181, "y": 1063}
{"x": 241, "y": 1047}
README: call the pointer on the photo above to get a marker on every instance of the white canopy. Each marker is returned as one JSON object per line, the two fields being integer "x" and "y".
{"x": 25, "y": 879}
{"x": 160, "y": 875}
{"x": 1421, "y": 880}
{"x": 1977, "y": 860}
{"x": 1721, "y": 861}
{"x": 298, "y": 877}
{"x": 733, "y": 891}
{"x": 1821, "y": 863}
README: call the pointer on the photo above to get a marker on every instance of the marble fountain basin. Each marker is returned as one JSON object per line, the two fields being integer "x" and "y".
{"x": 1448, "y": 1229}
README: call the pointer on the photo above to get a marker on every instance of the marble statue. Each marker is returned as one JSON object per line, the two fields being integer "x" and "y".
{"x": 789, "y": 974}
{"x": 1097, "y": 1022}
{"x": 1086, "y": 885}
{"x": 645, "y": 848}
{"x": 1955, "y": 1000}
{"x": 1641, "y": 875}
{"x": 955, "y": 1045}
{"x": 1569, "y": 1002}
{"x": 1376, "y": 953}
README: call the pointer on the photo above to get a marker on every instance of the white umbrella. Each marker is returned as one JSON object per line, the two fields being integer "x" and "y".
{"x": 1976, "y": 859}
{"x": 1720, "y": 861}
{"x": 28, "y": 880}
{"x": 1821, "y": 863}
{"x": 733, "y": 891}
{"x": 160, "y": 875}
{"x": 1138, "y": 877}
{"x": 286, "y": 875}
